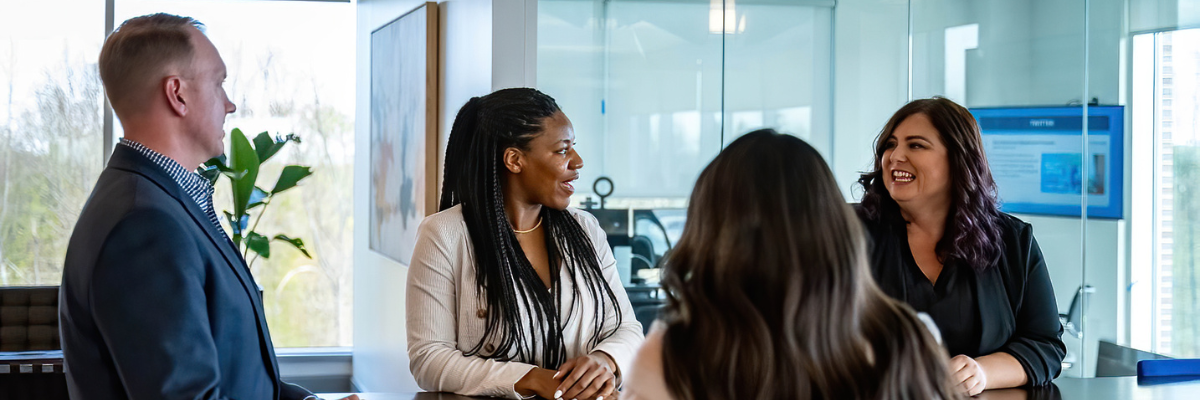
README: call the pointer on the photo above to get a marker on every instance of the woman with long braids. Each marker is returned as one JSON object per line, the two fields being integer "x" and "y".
{"x": 510, "y": 292}
{"x": 941, "y": 245}
{"x": 770, "y": 296}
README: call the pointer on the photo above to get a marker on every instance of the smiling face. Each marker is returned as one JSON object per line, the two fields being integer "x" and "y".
{"x": 543, "y": 173}
{"x": 916, "y": 165}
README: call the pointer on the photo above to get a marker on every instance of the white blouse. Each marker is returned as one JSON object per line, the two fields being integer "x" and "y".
{"x": 446, "y": 315}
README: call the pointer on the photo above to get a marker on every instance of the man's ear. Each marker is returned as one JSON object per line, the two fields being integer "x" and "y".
{"x": 514, "y": 160}
{"x": 173, "y": 88}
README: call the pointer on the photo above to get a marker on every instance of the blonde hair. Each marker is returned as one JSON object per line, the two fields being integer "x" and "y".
{"x": 135, "y": 55}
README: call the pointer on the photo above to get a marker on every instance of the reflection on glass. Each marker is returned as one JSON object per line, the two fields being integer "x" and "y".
{"x": 50, "y": 132}
{"x": 286, "y": 77}
{"x": 777, "y": 72}
{"x": 654, "y": 88}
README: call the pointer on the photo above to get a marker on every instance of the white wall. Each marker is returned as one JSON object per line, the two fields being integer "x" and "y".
{"x": 471, "y": 31}
{"x": 870, "y": 81}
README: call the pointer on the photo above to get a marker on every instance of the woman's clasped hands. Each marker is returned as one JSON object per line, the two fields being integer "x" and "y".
{"x": 590, "y": 377}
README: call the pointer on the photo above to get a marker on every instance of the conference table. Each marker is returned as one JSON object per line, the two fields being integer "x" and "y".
{"x": 1121, "y": 388}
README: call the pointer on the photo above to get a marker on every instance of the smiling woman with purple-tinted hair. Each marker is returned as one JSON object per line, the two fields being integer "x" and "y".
{"x": 941, "y": 244}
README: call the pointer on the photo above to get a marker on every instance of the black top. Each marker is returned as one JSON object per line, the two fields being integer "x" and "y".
{"x": 1008, "y": 306}
{"x": 951, "y": 298}
{"x": 155, "y": 303}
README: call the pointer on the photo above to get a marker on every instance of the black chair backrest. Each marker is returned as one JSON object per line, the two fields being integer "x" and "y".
{"x": 646, "y": 314}
{"x": 29, "y": 318}
{"x": 1072, "y": 320}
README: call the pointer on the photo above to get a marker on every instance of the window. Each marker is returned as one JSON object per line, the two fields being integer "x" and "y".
{"x": 287, "y": 77}
{"x": 51, "y": 130}
{"x": 1173, "y": 328}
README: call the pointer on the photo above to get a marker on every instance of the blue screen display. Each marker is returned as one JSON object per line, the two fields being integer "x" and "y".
{"x": 1037, "y": 159}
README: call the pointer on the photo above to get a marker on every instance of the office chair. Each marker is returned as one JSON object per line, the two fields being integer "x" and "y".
{"x": 646, "y": 314}
{"x": 642, "y": 250}
{"x": 1071, "y": 320}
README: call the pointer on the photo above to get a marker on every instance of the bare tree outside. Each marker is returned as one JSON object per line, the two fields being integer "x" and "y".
{"x": 51, "y": 157}
{"x": 284, "y": 76}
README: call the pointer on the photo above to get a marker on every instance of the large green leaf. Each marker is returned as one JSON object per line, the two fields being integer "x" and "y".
{"x": 266, "y": 146}
{"x": 296, "y": 242}
{"x": 259, "y": 244}
{"x": 290, "y": 176}
{"x": 244, "y": 162}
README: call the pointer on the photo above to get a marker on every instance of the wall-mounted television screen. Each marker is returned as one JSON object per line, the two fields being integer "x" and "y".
{"x": 1039, "y": 163}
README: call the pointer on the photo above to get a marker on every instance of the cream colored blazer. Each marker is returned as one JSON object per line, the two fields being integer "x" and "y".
{"x": 446, "y": 314}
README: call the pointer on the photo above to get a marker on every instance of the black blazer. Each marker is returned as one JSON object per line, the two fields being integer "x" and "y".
{"x": 1017, "y": 309}
{"x": 155, "y": 304}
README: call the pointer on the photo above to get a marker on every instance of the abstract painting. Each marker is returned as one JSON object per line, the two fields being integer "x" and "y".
{"x": 403, "y": 130}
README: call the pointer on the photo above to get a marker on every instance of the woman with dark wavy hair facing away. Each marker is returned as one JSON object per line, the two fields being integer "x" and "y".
{"x": 941, "y": 244}
{"x": 510, "y": 292}
{"x": 770, "y": 297}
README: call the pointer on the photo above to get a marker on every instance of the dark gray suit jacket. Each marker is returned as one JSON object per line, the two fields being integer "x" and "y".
{"x": 155, "y": 303}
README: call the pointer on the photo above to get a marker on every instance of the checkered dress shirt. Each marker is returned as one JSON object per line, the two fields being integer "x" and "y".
{"x": 196, "y": 187}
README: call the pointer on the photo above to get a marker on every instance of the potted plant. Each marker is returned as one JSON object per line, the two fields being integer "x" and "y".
{"x": 241, "y": 167}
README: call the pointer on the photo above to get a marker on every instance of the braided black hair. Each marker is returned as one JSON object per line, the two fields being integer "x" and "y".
{"x": 523, "y": 318}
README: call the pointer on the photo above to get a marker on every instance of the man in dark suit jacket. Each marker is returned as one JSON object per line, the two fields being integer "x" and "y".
{"x": 156, "y": 302}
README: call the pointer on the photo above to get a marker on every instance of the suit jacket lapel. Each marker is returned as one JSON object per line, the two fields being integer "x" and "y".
{"x": 127, "y": 159}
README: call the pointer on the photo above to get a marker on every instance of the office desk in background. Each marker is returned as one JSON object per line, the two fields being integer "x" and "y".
{"x": 1121, "y": 388}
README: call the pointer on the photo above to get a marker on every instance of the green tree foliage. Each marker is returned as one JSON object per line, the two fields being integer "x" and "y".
{"x": 50, "y": 157}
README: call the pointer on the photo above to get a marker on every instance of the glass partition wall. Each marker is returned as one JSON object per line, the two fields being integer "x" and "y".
{"x": 656, "y": 88}
{"x": 1125, "y": 278}
{"x": 1087, "y": 107}
{"x": 1019, "y": 66}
